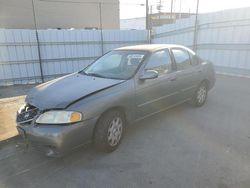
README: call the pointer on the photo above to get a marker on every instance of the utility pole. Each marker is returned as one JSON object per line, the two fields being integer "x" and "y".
{"x": 171, "y": 12}
{"x": 100, "y": 14}
{"x": 147, "y": 25}
{"x": 196, "y": 27}
{"x": 180, "y": 10}
{"x": 174, "y": 11}
{"x": 159, "y": 12}
{"x": 151, "y": 13}
{"x": 37, "y": 40}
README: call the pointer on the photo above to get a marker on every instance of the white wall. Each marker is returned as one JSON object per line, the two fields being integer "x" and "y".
{"x": 65, "y": 14}
{"x": 133, "y": 23}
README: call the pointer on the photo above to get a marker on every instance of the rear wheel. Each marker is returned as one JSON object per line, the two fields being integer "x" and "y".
{"x": 109, "y": 131}
{"x": 200, "y": 95}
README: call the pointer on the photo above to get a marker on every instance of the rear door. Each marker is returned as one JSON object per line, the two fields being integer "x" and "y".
{"x": 188, "y": 72}
{"x": 154, "y": 95}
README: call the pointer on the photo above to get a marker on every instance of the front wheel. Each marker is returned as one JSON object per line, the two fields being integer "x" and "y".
{"x": 109, "y": 131}
{"x": 200, "y": 95}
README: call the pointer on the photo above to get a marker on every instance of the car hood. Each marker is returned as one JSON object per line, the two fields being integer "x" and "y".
{"x": 61, "y": 92}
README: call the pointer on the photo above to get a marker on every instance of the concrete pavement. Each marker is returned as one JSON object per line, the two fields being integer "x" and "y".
{"x": 184, "y": 147}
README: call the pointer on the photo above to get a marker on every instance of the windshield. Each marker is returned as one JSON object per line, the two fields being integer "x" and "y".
{"x": 116, "y": 65}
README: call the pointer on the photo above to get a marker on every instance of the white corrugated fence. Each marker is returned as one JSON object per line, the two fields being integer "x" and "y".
{"x": 62, "y": 51}
{"x": 222, "y": 37}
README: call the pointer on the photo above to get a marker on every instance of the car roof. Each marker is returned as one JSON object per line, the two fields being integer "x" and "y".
{"x": 150, "y": 47}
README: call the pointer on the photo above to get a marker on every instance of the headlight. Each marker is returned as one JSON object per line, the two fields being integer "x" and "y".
{"x": 59, "y": 117}
{"x": 21, "y": 108}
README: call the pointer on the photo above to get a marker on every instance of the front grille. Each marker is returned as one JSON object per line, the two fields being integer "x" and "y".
{"x": 27, "y": 114}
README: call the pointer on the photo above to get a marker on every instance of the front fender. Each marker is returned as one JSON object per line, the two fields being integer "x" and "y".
{"x": 121, "y": 95}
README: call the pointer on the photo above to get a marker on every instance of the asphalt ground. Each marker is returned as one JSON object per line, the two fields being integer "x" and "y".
{"x": 184, "y": 147}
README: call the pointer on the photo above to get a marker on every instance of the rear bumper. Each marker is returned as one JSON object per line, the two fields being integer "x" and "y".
{"x": 55, "y": 140}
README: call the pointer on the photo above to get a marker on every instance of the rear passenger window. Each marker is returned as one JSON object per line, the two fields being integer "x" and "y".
{"x": 182, "y": 59}
{"x": 159, "y": 61}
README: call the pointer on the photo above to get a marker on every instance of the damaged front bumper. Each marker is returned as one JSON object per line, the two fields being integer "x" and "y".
{"x": 55, "y": 140}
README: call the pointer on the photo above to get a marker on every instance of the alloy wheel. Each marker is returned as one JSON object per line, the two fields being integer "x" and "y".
{"x": 115, "y": 131}
{"x": 201, "y": 94}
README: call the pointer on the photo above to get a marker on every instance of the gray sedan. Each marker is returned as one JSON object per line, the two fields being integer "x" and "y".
{"x": 124, "y": 86}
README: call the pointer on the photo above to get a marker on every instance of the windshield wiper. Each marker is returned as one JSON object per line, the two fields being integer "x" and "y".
{"x": 99, "y": 75}
{"x": 94, "y": 74}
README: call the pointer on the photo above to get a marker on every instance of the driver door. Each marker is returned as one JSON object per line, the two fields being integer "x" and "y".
{"x": 154, "y": 95}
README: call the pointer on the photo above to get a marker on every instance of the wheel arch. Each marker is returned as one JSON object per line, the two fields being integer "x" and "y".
{"x": 206, "y": 81}
{"x": 114, "y": 108}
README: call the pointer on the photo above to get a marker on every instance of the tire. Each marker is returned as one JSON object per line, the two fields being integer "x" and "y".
{"x": 200, "y": 95}
{"x": 109, "y": 131}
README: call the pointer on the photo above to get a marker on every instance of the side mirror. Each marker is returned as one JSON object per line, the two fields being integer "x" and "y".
{"x": 148, "y": 74}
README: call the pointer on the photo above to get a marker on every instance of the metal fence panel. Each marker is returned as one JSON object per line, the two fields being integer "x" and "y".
{"x": 222, "y": 37}
{"x": 62, "y": 51}
{"x": 18, "y": 55}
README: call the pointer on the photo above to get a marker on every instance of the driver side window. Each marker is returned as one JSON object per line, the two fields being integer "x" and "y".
{"x": 159, "y": 61}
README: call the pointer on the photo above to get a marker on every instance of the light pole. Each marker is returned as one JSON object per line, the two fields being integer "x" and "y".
{"x": 147, "y": 25}
{"x": 100, "y": 14}
{"x": 37, "y": 40}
